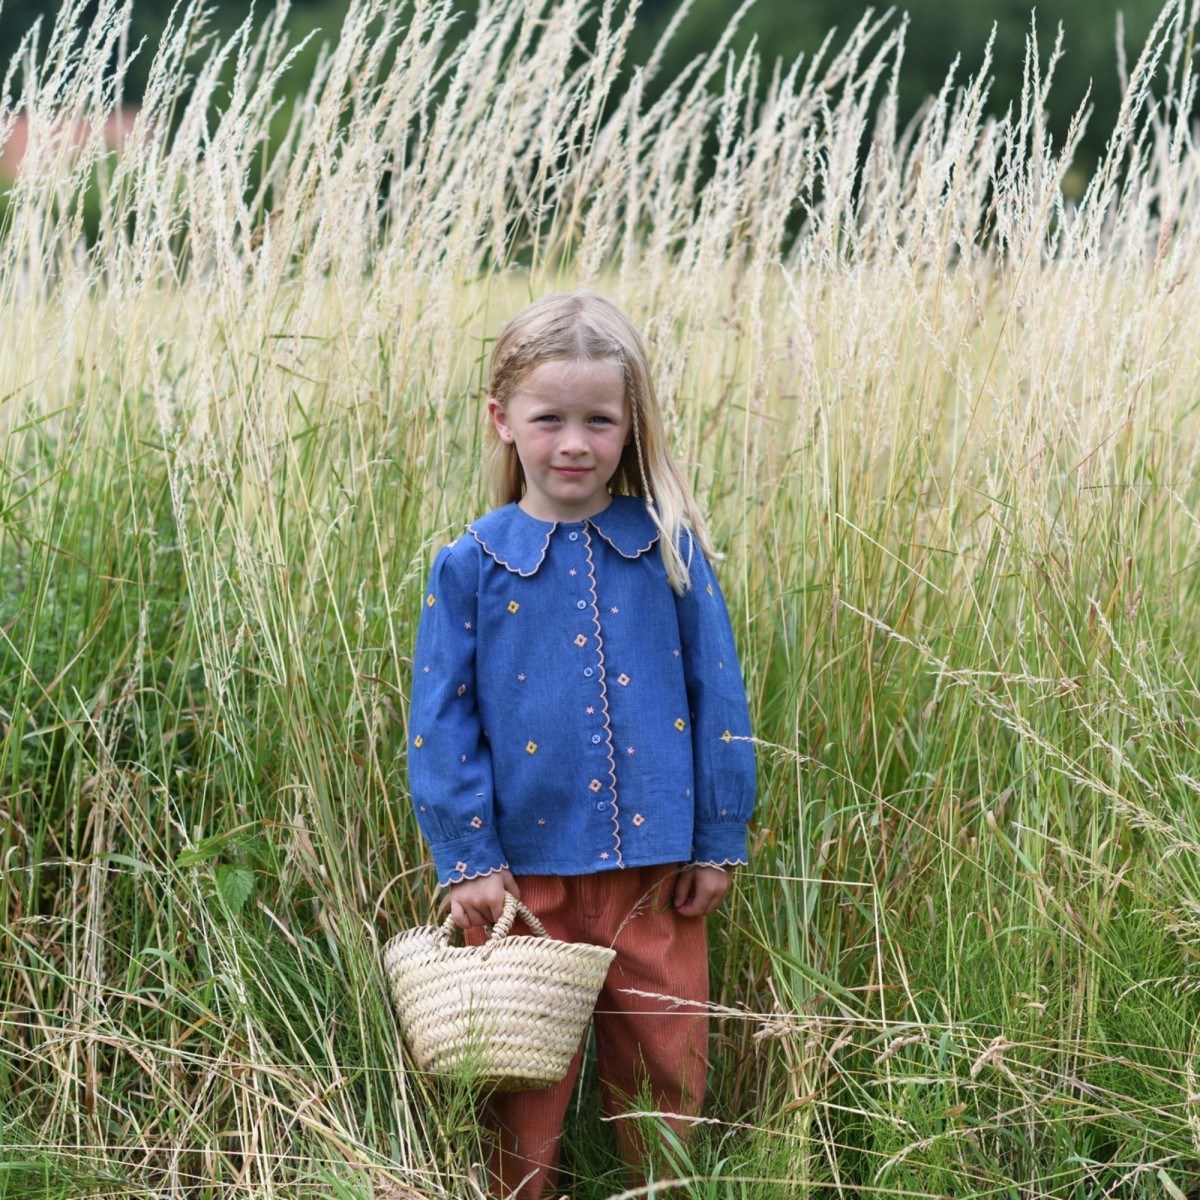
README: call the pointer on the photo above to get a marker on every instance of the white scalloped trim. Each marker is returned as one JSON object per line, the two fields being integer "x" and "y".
{"x": 632, "y": 554}
{"x": 729, "y": 862}
{"x": 507, "y": 565}
{"x": 477, "y": 875}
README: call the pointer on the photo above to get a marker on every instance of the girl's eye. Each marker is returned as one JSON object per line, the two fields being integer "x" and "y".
{"x": 602, "y": 420}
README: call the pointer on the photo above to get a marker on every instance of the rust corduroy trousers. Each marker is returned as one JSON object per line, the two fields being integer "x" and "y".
{"x": 644, "y": 1044}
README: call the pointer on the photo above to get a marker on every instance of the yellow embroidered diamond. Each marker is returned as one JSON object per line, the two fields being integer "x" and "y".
{"x": 462, "y": 687}
{"x": 639, "y": 820}
{"x": 418, "y": 741}
{"x": 580, "y": 641}
{"x": 460, "y": 867}
{"x": 594, "y": 785}
{"x": 513, "y": 606}
{"x": 709, "y": 589}
{"x": 727, "y": 737}
{"x": 623, "y": 679}
{"x": 680, "y": 724}
{"x": 430, "y": 601}
{"x": 476, "y": 822}
{"x": 531, "y": 747}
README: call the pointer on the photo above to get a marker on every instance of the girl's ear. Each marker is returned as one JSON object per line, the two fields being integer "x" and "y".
{"x": 496, "y": 413}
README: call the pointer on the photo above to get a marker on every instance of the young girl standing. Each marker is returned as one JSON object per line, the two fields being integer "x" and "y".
{"x": 579, "y": 728}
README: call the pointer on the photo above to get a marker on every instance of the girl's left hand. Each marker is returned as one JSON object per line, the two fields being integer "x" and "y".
{"x": 700, "y": 890}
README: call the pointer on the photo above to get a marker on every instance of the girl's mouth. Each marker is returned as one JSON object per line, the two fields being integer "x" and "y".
{"x": 572, "y": 472}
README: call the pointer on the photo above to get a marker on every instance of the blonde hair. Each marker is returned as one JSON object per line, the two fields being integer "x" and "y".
{"x": 586, "y": 327}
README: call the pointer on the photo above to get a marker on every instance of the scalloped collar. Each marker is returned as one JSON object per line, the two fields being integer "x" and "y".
{"x": 519, "y": 542}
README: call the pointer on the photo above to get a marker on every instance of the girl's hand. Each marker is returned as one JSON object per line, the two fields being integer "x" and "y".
{"x": 700, "y": 890}
{"x": 481, "y": 901}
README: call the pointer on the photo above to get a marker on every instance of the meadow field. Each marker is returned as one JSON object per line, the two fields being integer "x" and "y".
{"x": 940, "y": 394}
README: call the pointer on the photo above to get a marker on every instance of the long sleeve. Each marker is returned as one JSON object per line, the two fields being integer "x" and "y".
{"x": 449, "y": 759}
{"x": 723, "y": 756}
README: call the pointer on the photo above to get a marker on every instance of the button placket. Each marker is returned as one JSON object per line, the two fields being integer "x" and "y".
{"x": 601, "y": 737}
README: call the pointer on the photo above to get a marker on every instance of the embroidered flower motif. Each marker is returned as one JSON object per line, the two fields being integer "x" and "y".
{"x": 460, "y": 867}
{"x": 623, "y": 679}
{"x": 614, "y": 610}
{"x": 462, "y": 758}
{"x": 476, "y": 822}
{"x": 580, "y": 641}
{"x": 520, "y": 678}
{"x": 720, "y": 666}
{"x": 572, "y": 571}
{"x": 466, "y": 624}
{"x": 629, "y": 750}
{"x": 724, "y": 812}
{"x": 708, "y": 589}
{"x": 462, "y": 687}
{"x": 424, "y": 809}
{"x": 531, "y": 747}
{"x": 604, "y": 854}
{"x": 591, "y": 711}
{"x": 430, "y": 600}
{"x": 513, "y": 606}
{"x": 639, "y": 820}
{"x": 595, "y": 785}
{"x": 727, "y": 737}
{"x": 418, "y": 741}
{"x": 541, "y": 820}
{"x": 680, "y": 724}
{"x": 424, "y": 670}
{"x": 675, "y": 653}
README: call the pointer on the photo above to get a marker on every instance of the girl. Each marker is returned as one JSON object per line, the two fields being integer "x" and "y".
{"x": 579, "y": 733}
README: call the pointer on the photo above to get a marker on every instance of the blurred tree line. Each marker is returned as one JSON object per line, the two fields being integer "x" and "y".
{"x": 938, "y": 31}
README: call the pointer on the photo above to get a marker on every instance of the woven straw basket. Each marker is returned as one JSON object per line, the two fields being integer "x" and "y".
{"x": 510, "y": 1013}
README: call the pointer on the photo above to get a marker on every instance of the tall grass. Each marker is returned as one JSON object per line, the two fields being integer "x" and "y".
{"x": 945, "y": 422}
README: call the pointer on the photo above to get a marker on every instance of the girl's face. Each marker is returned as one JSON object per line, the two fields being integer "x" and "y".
{"x": 569, "y": 422}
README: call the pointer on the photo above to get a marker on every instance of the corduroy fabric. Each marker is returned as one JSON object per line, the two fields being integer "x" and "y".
{"x": 642, "y": 1043}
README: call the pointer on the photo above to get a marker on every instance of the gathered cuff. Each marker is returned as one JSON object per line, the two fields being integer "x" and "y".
{"x": 722, "y": 844}
{"x": 468, "y": 858}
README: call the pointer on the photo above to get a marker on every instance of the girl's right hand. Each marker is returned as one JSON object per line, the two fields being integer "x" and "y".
{"x": 481, "y": 901}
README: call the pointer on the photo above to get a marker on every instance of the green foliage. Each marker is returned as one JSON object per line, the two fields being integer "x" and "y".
{"x": 944, "y": 421}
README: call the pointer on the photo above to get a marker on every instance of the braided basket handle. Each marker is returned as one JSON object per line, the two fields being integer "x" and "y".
{"x": 513, "y": 908}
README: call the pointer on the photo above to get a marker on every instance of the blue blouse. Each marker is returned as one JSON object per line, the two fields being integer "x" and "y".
{"x": 570, "y": 712}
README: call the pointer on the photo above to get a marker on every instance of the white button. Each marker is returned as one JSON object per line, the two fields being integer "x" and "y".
{"x": 595, "y": 739}
{"x": 581, "y": 604}
{"x": 573, "y": 536}
{"x": 588, "y": 672}
{"x": 601, "y": 806}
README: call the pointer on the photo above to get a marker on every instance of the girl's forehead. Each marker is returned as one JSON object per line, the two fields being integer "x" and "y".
{"x": 565, "y": 378}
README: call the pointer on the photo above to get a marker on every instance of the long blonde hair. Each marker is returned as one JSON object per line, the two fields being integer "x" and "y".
{"x": 586, "y": 327}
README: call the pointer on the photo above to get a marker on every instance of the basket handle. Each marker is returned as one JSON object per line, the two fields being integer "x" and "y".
{"x": 513, "y": 908}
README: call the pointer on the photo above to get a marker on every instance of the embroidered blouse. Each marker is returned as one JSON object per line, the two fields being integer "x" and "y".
{"x": 570, "y": 712}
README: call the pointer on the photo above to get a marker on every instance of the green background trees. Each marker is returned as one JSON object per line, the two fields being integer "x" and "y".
{"x": 937, "y": 33}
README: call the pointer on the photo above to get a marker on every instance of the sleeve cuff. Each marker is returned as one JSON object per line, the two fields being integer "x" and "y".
{"x": 722, "y": 845}
{"x": 468, "y": 858}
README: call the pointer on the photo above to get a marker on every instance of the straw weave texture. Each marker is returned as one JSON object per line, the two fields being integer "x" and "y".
{"x": 510, "y": 1012}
